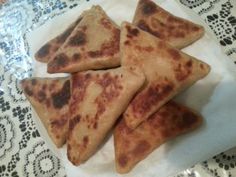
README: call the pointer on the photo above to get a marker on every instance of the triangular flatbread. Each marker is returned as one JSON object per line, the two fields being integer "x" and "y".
{"x": 98, "y": 99}
{"x": 50, "y": 99}
{"x": 132, "y": 146}
{"x": 93, "y": 44}
{"x": 175, "y": 30}
{"x": 50, "y": 48}
{"x": 168, "y": 71}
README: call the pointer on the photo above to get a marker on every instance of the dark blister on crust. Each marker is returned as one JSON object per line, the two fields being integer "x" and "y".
{"x": 59, "y": 61}
{"x": 148, "y": 7}
{"x": 43, "y": 51}
{"x": 78, "y": 39}
{"x": 73, "y": 122}
{"x": 28, "y": 91}
{"x": 62, "y": 97}
{"x": 183, "y": 71}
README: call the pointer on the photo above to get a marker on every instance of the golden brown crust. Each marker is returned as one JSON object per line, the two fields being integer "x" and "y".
{"x": 50, "y": 99}
{"x": 168, "y": 71}
{"x": 176, "y": 31}
{"x": 49, "y": 49}
{"x": 94, "y": 44}
{"x": 98, "y": 99}
{"x": 132, "y": 146}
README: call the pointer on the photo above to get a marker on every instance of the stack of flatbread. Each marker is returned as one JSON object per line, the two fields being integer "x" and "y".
{"x": 122, "y": 79}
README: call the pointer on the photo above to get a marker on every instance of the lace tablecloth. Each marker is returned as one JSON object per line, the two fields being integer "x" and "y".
{"x": 22, "y": 151}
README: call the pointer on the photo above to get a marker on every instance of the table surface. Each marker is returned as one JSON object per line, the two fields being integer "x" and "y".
{"x": 22, "y": 151}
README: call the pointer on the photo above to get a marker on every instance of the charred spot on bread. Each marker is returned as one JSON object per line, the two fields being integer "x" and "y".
{"x": 78, "y": 39}
{"x": 62, "y": 97}
{"x": 44, "y": 51}
{"x": 60, "y": 60}
{"x": 148, "y": 7}
{"x": 74, "y": 121}
{"x": 41, "y": 96}
{"x": 174, "y": 54}
{"x": 76, "y": 56}
{"x": 123, "y": 160}
{"x": 132, "y": 32}
{"x": 28, "y": 91}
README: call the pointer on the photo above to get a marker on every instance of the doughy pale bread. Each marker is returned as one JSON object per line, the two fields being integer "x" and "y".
{"x": 132, "y": 146}
{"x": 98, "y": 99}
{"x": 50, "y": 99}
{"x": 50, "y": 48}
{"x": 175, "y": 30}
{"x": 93, "y": 44}
{"x": 168, "y": 71}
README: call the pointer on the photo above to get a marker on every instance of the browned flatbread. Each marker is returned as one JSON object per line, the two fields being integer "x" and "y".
{"x": 177, "y": 31}
{"x": 168, "y": 71}
{"x": 132, "y": 146}
{"x": 50, "y": 99}
{"x": 98, "y": 99}
{"x": 50, "y": 48}
{"x": 93, "y": 44}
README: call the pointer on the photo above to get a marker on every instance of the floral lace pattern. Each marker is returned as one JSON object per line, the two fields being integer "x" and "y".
{"x": 220, "y": 15}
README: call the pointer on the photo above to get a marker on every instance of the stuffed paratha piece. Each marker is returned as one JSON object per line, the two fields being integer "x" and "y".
{"x": 132, "y": 146}
{"x": 50, "y": 100}
{"x": 98, "y": 99}
{"x": 93, "y": 44}
{"x": 168, "y": 71}
{"x": 176, "y": 31}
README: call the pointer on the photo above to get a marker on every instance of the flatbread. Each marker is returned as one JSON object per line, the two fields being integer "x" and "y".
{"x": 50, "y": 48}
{"x": 98, "y": 99}
{"x": 94, "y": 44}
{"x": 168, "y": 71}
{"x": 176, "y": 31}
{"x": 50, "y": 99}
{"x": 132, "y": 146}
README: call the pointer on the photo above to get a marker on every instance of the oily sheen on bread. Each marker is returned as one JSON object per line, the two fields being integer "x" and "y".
{"x": 168, "y": 71}
{"x": 50, "y": 99}
{"x": 177, "y": 31}
{"x": 98, "y": 99}
{"x": 93, "y": 44}
{"x": 132, "y": 146}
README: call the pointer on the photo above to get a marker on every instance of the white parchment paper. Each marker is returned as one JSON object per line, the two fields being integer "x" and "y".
{"x": 214, "y": 97}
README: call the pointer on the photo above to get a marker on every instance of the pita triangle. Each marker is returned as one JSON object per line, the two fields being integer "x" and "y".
{"x": 177, "y": 31}
{"x": 49, "y": 49}
{"x": 50, "y": 99}
{"x": 168, "y": 71}
{"x": 132, "y": 146}
{"x": 98, "y": 99}
{"x": 93, "y": 44}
